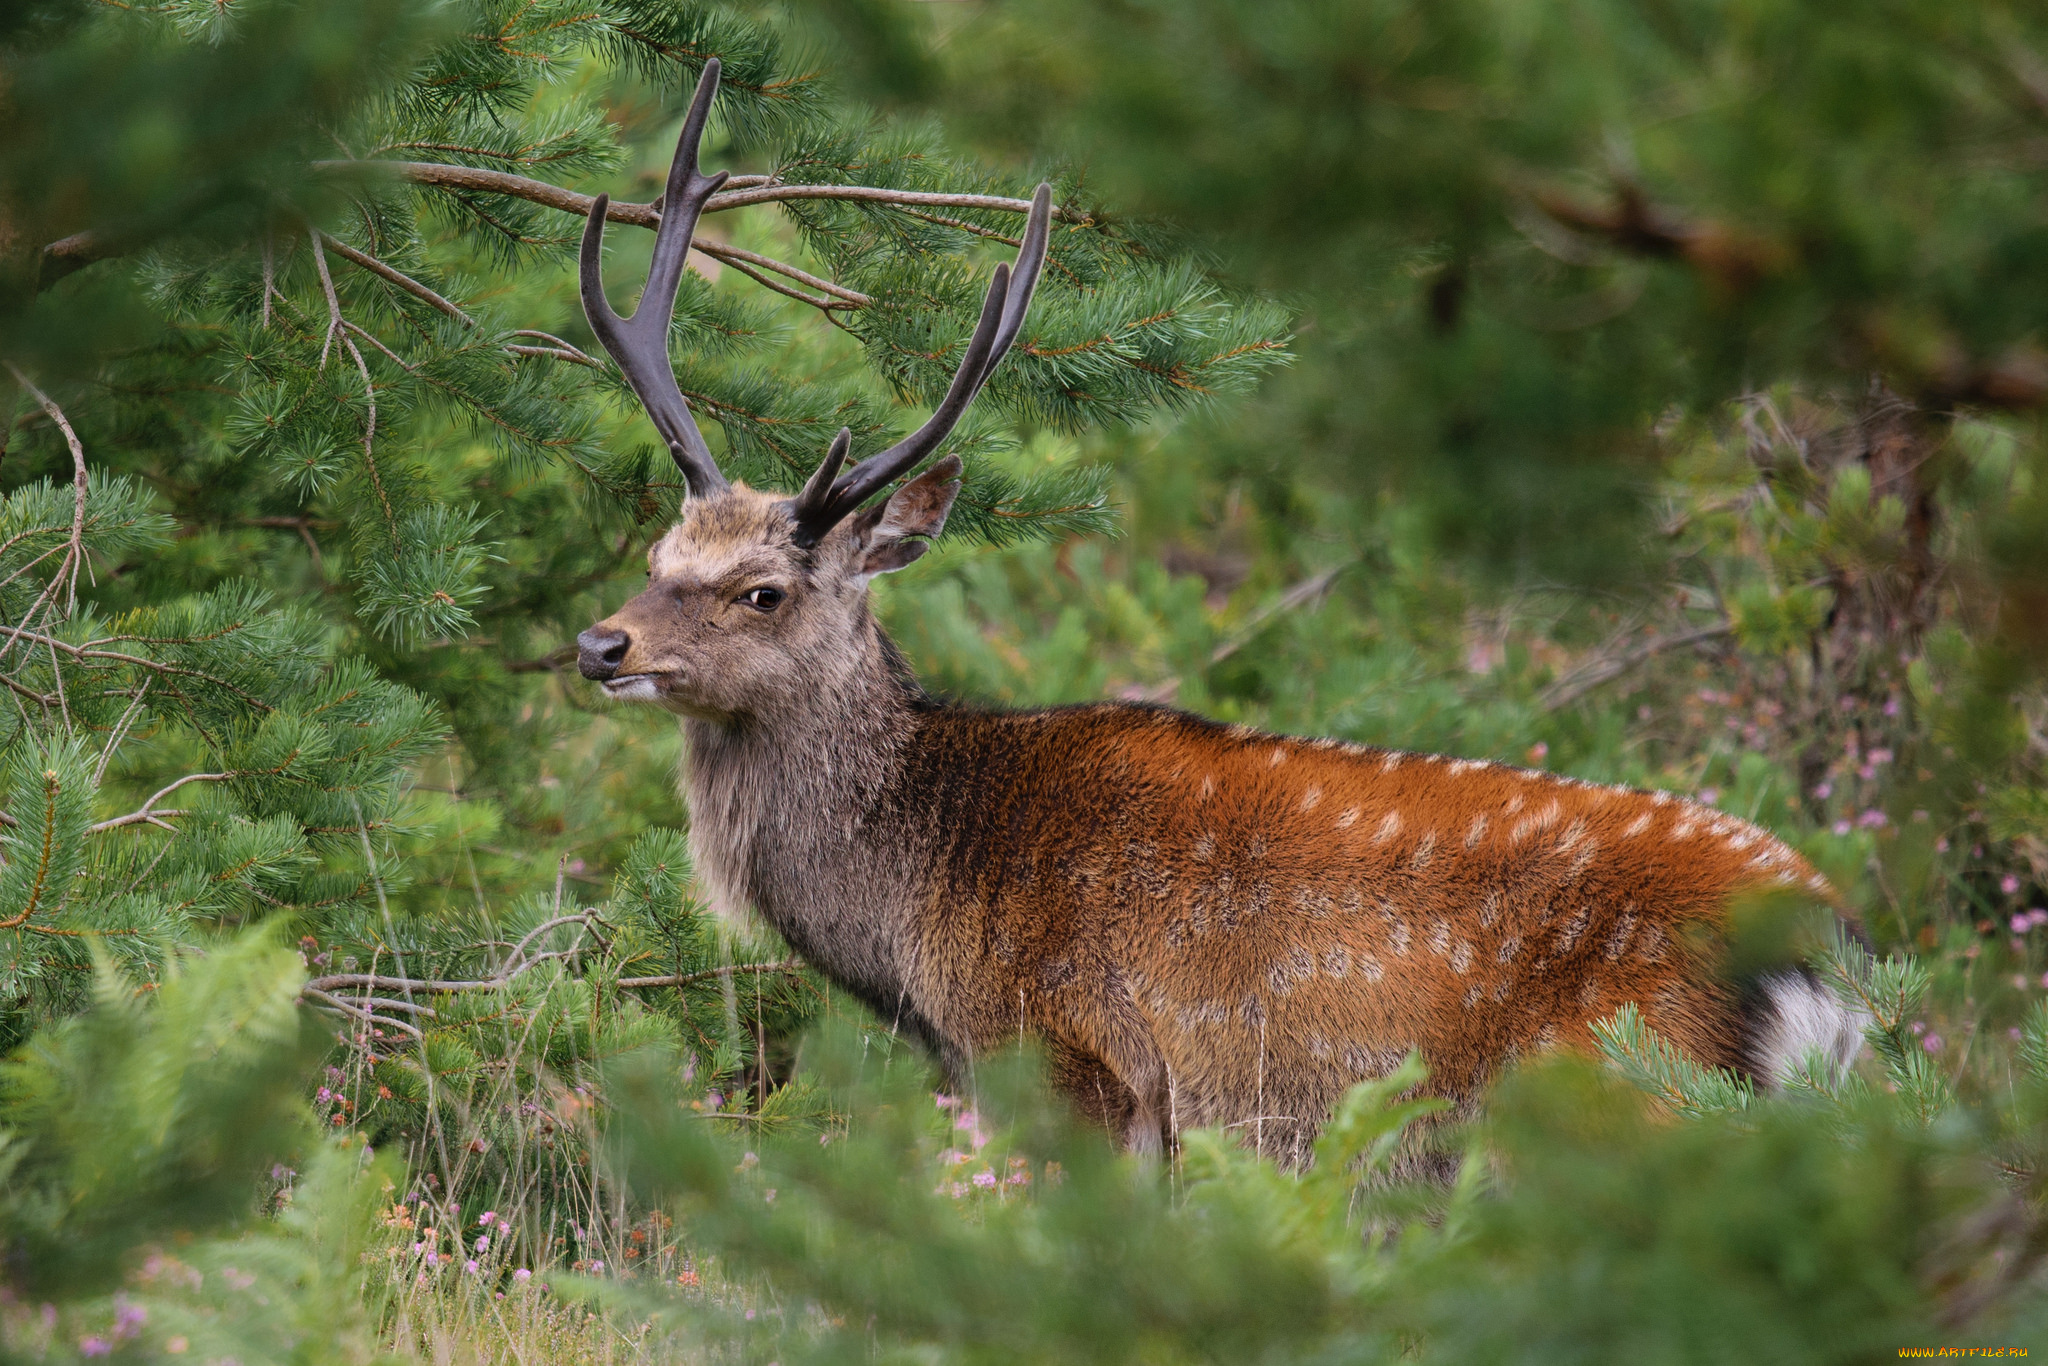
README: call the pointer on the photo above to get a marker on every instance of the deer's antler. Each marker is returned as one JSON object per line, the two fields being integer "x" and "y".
{"x": 640, "y": 343}
{"x": 826, "y": 500}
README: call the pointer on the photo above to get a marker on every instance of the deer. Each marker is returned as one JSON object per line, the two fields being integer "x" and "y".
{"x": 1200, "y": 924}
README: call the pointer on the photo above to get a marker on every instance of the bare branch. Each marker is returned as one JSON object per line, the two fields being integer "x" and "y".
{"x": 335, "y": 322}
{"x": 555, "y": 343}
{"x": 147, "y": 812}
{"x": 724, "y": 252}
{"x": 327, "y": 1001}
{"x": 399, "y": 278}
{"x": 1606, "y": 666}
{"x": 789, "y": 966}
{"x": 1305, "y": 591}
{"x": 444, "y": 176}
{"x": 74, "y": 555}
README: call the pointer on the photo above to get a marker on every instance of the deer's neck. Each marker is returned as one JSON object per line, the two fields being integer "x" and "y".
{"x": 786, "y": 817}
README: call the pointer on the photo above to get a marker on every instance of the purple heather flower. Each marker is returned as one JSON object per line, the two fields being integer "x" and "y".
{"x": 469, "y": 1266}
{"x": 2009, "y": 884}
{"x": 521, "y": 1276}
{"x": 1932, "y": 1043}
{"x": 94, "y": 1346}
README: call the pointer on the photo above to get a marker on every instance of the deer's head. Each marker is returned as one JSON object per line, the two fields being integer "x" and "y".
{"x": 753, "y": 597}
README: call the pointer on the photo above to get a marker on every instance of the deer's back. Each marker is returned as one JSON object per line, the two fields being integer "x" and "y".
{"x": 1279, "y": 918}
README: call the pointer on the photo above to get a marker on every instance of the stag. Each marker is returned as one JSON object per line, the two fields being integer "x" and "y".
{"x": 1202, "y": 924}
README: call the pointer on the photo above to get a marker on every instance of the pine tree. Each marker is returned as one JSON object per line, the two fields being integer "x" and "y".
{"x": 313, "y": 467}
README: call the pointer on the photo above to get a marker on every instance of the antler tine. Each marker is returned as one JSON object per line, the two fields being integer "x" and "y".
{"x": 818, "y": 492}
{"x": 640, "y": 343}
{"x": 1002, "y": 318}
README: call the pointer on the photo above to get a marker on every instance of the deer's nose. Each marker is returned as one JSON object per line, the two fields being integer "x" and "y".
{"x": 600, "y": 651}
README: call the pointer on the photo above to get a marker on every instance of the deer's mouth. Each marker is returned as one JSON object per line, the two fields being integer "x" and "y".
{"x": 632, "y": 688}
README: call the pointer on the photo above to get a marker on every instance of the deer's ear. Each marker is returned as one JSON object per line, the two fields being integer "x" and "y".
{"x": 913, "y": 514}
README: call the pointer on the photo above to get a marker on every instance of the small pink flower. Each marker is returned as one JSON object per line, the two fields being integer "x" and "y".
{"x": 1842, "y": 827}
{"x": 944, "y": 1101}
{"x": 986, "y": 1180}
{"x": 2008, "y": 884}
{"x": 470, "y": 1266}
{"x": 1871, "y": 819}
{"x": 1824, "y": 791}
{"x": 487, "y": 1218}
{"x": 2037, "y": 916}
{"x": 1538, "y": 752}
{"x": 94, "y": 1346}
{"x": 417, "y": 1248}
{"x": 1918, "y": 1028}
{"x": 2021, "y": 924}
{"x": 433, "y": 1259}
{"x": 323, "y": 1095}
{"x": 1891, "y": 706}
{"x": 1932, "y": 1043}
{"x": 483, "y": 1243}
{"x": 1709, "y": 795}
{"x": 521, "y": 1276}
{"x": 596, "y": 1267}
{"x": 1941, "y": 845}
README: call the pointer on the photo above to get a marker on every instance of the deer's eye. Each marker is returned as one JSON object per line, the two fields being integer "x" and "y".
{"x": 762, "y": 599}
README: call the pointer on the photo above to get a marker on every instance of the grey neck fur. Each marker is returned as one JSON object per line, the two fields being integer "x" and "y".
{"x": 784, "y": 806}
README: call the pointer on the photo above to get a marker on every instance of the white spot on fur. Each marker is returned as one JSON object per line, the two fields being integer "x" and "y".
{"x": 1467, "y": 765}
{"x": 1489, "y": 907}
{"x": 1325, "y": 742}
{"x": 1311, "y": 798}
{"x": 1568, "y": 936}
{"x": 1574, "y": 832}
{"x": 1681, "y": 831}
{"x": 1514, "y": 804}
{"x": 1278, "y": 757}
{"x": 1472, "y": 996}
{"x": 1423, "y": 851}
{"x": 1208, "y": 786}
{"x": 1477, "y": 829}
{"x": 1398, "y": 939}
{"x": 1508, "y": 949}
{"x": 1348, "y": 819}
{"x": 1240, "y": 731}
{"x": 1289, "y": 972}
{"x": 1660, "y": 797}
{"x": 1617, "y": 940}
{"x": 1440, "y": 938}
{"x": 1461, "y": 958}
{"x": 1369, "y": 968}
{"x": 1204, "y": 845}
{"x": 1390, "y": 825}
{"x": 1392, "y": 761}
{"x": 1818, "y": 883}
{"x": 1336, "y": 962}
{"x": 1637, "y": 826}
{"x": 1652, "y": 950}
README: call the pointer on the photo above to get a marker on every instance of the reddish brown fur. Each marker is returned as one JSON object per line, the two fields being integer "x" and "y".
{"x": 1215, "y": 916}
